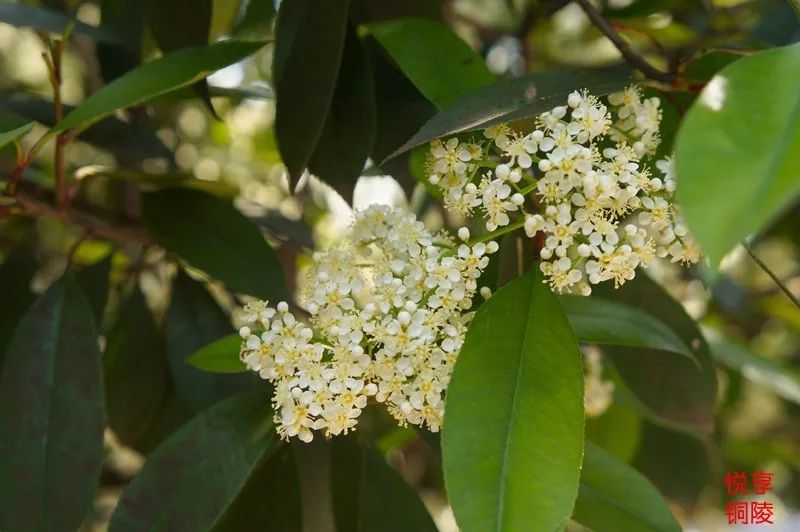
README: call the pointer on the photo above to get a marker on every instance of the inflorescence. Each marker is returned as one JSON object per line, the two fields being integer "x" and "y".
{"x": 388, "y": 308}
{"x": 581, "y": 178}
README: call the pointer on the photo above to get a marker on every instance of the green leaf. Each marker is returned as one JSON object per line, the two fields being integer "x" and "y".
{"x": 617, "y": 431}
{"x": 95, "y": 282}
{"x": 733, "y": 147}
{"x": 164, "y": 74}
{"x": 42, "y": 18}
{"x": 125, "y": 19}
{"x": 269, "y": 500}
{"x": 120, "y": 138}
{"x": 220, "y": 356}
{"x": 776, "y": 377}
{"x": 189, "y": 481}
{"x": 193, "y": 321}
{"x": 514, "y": 100}
{"x": 679, "y": 390}
{"x": 442, "y": 66}
{"x": 613, "y": 496}
{"x": 255, "y": 20}
{"x": 602, "y": 321}
{"x": 305, "y": 29}
{"x": 14, "y": 135}
{"x": 512, "y": 440}
{"x": 16, "y": 273}
{"x": 349, "y": 130}
{"x": 177, "y": 24}
{"x": 211, "y": 235}
{"x": 136, "y": 372}
{"x": 370, "y": 496}
{"x": 51, "y": 414}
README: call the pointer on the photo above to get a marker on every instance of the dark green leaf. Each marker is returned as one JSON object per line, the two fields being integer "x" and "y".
{"x": 514, "y": 100}
{"x": 193, "y": 321}
{"x": 189, "y": 481}
{"x": 120, "y": 138}
{"x": 442, "y": 66}
{"x": 674, "y": 388}
{"x": 164, "y": 74}
{"x": 602, "y": 321}
{"x": 349, "y": 132}
{"x": 613, "y": 497}
{"x": 177, "y": 24}
{"x": 717, "y": 139}
{"x": 211, "y": 235}
{"x": 677, "y": 464}
{"x": 305, "y": 29}
{"x": 125, "y": 19}
{"x": 255, "y": 20}
{"x": 42, "y": 18}
{"x": 136, "y": 372}
{"x": 370, "y": 496}
{"x": 513, "y": 431}
{"x": 171, "y": 415}
{"x": 51, "y": 414}
{"x": 15, "y": 285}
{"x": 269, "y": 500}
{"x": 220, "y": 356}
{"x": 95, "y": 283}
{"x": 780, "y": 379}
{"x": 617, "y": 431}
{"x": 365, "y": 11}
{"x": 14, "y": 135}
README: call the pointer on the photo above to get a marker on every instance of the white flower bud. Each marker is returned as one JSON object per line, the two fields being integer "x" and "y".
{"x": 244, "y": 332}
{"x": 283, "y": 306}
{"x": 492, "y": 246}
{"x": 502, "y": 171}
{"x": 463, "y": 233}
{"x": 485, "y": 292}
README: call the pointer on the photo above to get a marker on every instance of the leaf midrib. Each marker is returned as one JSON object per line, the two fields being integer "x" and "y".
{"x": 504, "y": 463}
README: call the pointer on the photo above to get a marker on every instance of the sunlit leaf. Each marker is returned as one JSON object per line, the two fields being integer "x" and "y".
{"x": 8, "y": 137}
{"x": 161, "y": 75}
{"x": 51, "y": 414}
{"x": 220, "y": 356}
{"x": 750, "y": 163}
{"x": 512, "y": 441}
{"x": 441, "y": 65}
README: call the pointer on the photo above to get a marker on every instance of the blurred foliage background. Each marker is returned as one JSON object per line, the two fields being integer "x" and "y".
{"x": 754, "y": 330}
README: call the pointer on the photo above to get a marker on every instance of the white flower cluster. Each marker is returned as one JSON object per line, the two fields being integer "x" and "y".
{"x": 580, "y": 179}
{"x": 388, "y": 307}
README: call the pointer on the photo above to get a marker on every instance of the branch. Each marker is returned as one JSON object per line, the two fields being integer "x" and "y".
{"x": 774, "y": 277}
{"x": 630, "y": 57}
{"x": 35, "y": 201}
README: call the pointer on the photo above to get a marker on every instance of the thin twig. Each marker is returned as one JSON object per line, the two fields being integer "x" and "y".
{"x": 631, "y": 57}
{"x": 774, "y": 277}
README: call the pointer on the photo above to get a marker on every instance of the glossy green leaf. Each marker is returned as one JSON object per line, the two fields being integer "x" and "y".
{"x": 16, "y": 273}
{"x": 770, "y": 374}
{"x": 164, "y": 74}
{"x": 680, "y": 390}
{"x": 305, "y": 29}
{"x": 613, "y": 497}
{"x": 51, "y": 414}
{"x": 95, "y": 282}
{"x": 211, "y": 235}
{"x": 602, "y": 321}
{"x": 514, "y": 100}
{"x": 136, "y": 372}
{"x": 112, "y": 134}
{"x": 189, "y": 481}
{"x": 512, "y": 441}
{"x": 14, "y": 135}
{"x": 732, "y": 146}
{"x": 177, "y": 24}
{"x": 42, "y": 18}
{"x": 220, "y": 356}
{"x": 349, "y": 131}
{"x": 193, "y": 321}
{"x": 370, "y": 496}
{"x": 442, "y": 66}
{"x": 269, "y": 500}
